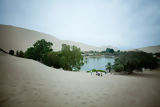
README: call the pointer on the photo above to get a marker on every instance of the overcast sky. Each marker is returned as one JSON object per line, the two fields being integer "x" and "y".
{"x": 121, "y": 23}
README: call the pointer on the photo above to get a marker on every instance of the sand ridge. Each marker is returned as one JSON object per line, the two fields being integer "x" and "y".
{"x": 17, "y": 38}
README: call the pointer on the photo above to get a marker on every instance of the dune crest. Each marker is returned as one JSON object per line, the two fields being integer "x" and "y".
{"x": 150, "y": 49}
{"x": 20, "y": 39}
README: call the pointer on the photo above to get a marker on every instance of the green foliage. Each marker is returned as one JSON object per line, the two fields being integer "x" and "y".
{"x": 109, "y": 50}
{"x": 20, "y": 54}
{"x": 157, "y": 54}
{"x": 11, "y": 52}
{"x": 71, "y": 58}
{"x": 129, "y": 61}
{"x": 118, "y": 67}
{"x": 39, "y": 49}
{"x": 101, "y": 71}
{"x": 94, "y": 70}
{"x": 17, "y": 53}
{"x": 52, "y": 59}
{"x": 109, "y": 66}
{"x": 118, "y": 51}
{"x": 30, "y": 53}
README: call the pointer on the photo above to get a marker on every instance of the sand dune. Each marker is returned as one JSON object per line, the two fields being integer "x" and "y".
{"x": 27, "y": 83}
{"x": 150, "y": 49}
{"x": 20, "y": 39}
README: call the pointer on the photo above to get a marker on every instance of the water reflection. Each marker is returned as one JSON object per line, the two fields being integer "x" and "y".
{"x": 96, "y": 63}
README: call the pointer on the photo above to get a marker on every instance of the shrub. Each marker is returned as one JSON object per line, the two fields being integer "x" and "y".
{"x": 11, "y": 52}
{"x": 118, "y": 68}
{"x": 52, "y": 59}
{"x": 109, "y": 50}
{"x": 94, "y": 70}
{"x": 108, "y": 66}
{"x": 20, "y": 54}
{"x": 129, "y": 61}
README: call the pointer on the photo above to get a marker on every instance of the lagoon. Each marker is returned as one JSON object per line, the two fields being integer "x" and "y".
{"x": 96, "y": 62}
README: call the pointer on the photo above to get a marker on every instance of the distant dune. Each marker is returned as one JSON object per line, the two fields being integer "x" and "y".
{"x": 20, "y": 39}
{"x": 27, "y": 83}
{"x": 150, "y": 49}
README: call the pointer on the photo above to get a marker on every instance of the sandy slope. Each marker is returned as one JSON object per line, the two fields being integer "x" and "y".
{"x": 150, "y": 49}
{"x": 20, "y": 39}
{"x": 27, "y": 83}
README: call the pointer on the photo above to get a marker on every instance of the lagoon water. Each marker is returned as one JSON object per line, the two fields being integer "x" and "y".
{"x": 96, "y": 63}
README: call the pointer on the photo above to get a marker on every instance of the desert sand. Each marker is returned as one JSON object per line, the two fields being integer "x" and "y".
{"x": 149, "y": 49}
{"x": 27, "y": 83}
{"x": 16, "y": 38}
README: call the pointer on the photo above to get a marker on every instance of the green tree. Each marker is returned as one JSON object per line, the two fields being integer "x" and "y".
{"x": 11, "y": 52}
{"x": 71, "y": 58}
{"x": 66, "y": 57}
{"x": 129, "y": 61}
{"x": 30, "y": 53}
{"x": 20, "y": 53}
{"x": 77, "y": 57}
{"x": 17, "y": 53}
{"x": 109, "y": 50}
{"x": 118, "y": 50}
{"x": 109, "y": 66}
{"x": 52, "y": 59}
{"x": 39, "y": 49}
{"x": 118, "y": 68}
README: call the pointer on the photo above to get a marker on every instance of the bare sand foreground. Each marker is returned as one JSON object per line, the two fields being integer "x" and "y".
{"x": 27, "y": 83}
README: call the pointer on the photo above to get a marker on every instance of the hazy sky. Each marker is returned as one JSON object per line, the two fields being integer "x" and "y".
{"x": 121, "y": 23}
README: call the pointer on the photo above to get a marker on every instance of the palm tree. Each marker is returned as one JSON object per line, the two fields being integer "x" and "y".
{"x": 109, "y": 66}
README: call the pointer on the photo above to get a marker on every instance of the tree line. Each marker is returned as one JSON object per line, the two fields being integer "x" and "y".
{"x": 132, "y": 60}
{"x": 69, "y": 58}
